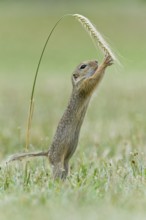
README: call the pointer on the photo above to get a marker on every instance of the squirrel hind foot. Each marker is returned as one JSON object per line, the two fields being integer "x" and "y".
{"x": 60, "y": 171}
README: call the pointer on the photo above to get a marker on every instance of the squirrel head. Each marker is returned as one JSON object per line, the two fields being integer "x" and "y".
{"x": 83, "y": 71}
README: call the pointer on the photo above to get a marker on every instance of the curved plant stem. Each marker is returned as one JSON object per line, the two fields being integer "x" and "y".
{"x": 31, "y": 106}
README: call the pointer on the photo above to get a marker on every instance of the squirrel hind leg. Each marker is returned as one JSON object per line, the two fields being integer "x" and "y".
{"x": 60, "y": 170}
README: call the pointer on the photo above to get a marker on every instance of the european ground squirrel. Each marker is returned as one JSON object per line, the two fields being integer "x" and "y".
{"x": 85, "y": 79}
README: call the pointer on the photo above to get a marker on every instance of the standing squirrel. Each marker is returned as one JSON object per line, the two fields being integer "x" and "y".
{"x": 85, "y": 79}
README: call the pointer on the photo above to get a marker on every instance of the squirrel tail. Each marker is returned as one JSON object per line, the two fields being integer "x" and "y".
{"x": 22, "y": 156}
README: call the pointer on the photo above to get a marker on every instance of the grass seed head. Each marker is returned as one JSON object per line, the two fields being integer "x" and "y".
{"x": 95, "y": 35}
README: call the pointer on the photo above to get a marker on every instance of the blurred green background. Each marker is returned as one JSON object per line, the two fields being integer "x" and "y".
{"x": 115, "y": 124}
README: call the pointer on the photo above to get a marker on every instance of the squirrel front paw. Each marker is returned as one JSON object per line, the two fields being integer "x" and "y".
{"x": 108, "y": 61}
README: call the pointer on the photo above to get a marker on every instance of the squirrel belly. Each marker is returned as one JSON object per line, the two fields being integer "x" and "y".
{"x": 67, "y": 134}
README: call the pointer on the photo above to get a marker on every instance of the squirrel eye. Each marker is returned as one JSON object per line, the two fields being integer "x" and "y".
{"x": 83, "y": 66}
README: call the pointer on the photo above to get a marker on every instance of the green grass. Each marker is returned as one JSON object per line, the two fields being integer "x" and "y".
{"x": 108, "y": 170}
